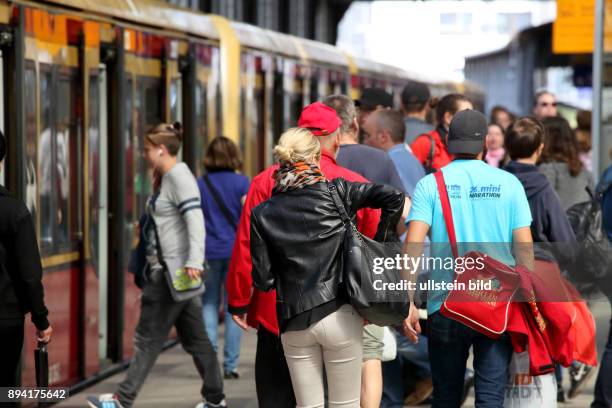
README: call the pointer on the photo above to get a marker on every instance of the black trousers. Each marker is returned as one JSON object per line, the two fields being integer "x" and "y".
{"x": 11, "y": 344}
{"x": 272, "y": 378}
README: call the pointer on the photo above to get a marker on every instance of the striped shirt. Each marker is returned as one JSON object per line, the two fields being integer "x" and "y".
{"x": 177, "y": 213}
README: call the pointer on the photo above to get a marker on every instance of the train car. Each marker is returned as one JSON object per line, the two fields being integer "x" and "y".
{"x": 81, "y": 82}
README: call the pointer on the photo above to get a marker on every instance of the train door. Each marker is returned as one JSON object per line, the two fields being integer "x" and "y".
{"x": 97, "y": 208}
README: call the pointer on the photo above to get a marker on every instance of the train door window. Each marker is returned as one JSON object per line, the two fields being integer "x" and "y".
{"x": 131, "y": 114}
{"x": 31, "y": 159}
{"x": 67, "y": 132}
{"x": 176, "y": 108}
{"x": 59, "y": 212}
{"x": 46, "y": 162}
{"x": 98, "y": 201}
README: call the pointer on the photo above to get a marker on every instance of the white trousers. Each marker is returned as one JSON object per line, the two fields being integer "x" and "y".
{"x": 334, "y": 343}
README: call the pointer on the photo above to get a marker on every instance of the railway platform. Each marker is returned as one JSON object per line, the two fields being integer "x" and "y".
{"x": 175, "y": 383}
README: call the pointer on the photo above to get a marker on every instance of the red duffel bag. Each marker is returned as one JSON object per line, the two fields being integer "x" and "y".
{"x": 485, "y": 310}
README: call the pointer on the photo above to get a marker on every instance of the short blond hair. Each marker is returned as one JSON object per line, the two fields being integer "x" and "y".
{"x": 297, "y": 145}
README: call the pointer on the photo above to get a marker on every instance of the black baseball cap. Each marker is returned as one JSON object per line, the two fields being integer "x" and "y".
{"x": 372, "y": 98}
{"x": 467, "y": 132}
{"x": 415, "y": 93}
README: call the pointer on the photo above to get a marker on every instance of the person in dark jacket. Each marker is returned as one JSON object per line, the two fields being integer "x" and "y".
{"x": 296, "y": 247}
{"x": 603, "y": 385}
{"x": 555, "y": 240}
{"x": 21, "y": 289}
{"x": 550, "y": 224}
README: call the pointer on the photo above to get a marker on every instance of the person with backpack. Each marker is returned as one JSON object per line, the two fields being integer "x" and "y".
{"x": 223, "y": 192}
{"x": 21, "y": 288}
{"x": 431, "y": 148}
{"x": 488, "y": 205}
{"x": 603, "y": 384}
{"x": 550, "y": 227}
{"x": 172, "y": 295}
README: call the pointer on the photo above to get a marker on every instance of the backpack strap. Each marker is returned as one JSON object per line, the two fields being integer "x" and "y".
{"x": 447, "y": 212}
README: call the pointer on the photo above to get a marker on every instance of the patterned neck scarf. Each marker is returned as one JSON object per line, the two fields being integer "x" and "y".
{"x": 292, "y": 176}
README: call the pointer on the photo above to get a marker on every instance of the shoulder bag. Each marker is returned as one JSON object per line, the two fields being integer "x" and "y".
{"x": 485, "y": 310}
{"x": 368, "y": 290}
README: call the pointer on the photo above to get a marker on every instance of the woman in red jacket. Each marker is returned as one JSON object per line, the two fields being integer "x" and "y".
{"x": 430, "y": 148}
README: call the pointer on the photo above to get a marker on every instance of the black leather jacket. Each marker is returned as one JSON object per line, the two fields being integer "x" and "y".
{"x": 297, "y": 236}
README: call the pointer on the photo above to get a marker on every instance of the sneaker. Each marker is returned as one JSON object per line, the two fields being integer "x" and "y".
{"x": 231, "y": 375}
{"x": 579, "y": 376}
{"x": 468, "y": 383}
{"x": 104, "y": 401}
{"x": 204, "y": 404}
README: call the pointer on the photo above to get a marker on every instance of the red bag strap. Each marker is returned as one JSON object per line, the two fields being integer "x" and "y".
{"x": 447, "y": 212}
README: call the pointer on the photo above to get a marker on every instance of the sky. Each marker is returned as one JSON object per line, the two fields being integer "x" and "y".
{"x": 434, "y": 37}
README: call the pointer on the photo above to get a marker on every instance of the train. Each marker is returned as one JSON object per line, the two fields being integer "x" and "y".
{"x": 81, "y": 81}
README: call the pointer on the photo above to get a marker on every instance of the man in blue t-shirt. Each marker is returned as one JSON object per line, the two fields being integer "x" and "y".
{"x": 489, "y": 206}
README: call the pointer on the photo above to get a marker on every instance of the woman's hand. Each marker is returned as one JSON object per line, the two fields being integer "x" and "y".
{"x": 193, "y": 273}
{"x": 412, "y": 327}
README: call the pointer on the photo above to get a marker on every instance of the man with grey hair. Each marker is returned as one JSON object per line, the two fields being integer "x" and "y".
{"x": 376, "y": 166}
{"x": 371, "y": 163}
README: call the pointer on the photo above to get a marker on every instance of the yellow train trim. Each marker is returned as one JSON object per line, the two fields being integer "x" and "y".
{"x": 353, "y": 70}
{"x": 230, "y": 77}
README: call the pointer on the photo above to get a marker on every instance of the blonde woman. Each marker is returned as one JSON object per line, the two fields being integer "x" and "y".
{"x": 296, "y": 248}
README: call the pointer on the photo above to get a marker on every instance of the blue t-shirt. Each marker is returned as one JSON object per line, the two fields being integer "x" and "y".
{"x": 408, "y": 167}
{"x": 220, "y": 234}
{"x": 487, "y": 205}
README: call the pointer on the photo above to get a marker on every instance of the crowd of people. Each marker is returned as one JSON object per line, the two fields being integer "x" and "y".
{"x": 269, "y": 251}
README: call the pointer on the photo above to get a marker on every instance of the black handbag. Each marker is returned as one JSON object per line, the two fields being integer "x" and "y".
{"x": 368, "y": 291}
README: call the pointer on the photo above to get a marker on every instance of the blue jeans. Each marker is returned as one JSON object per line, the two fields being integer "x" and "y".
{"x": 211, "y": 300}
{"x": 449, "y": 349}
{"x": 393, "y": 371}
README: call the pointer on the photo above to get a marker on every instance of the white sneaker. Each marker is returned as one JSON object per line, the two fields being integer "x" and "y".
{"x": 204, "y": 404}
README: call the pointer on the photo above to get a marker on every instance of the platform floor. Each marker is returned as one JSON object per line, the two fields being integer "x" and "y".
{"x": 175, "y": 383}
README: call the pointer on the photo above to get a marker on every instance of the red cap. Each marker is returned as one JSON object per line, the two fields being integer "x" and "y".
{"x": 320, "y": 119}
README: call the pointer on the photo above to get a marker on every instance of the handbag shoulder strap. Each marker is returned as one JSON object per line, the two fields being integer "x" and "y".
{"x": 447, "y": 211}
{"x": 220, "y": 204}
{"x": 333, "y": 190}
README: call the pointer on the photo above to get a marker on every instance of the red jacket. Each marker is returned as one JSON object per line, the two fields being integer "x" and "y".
{"x": 242, "y": 297}
{"x": 421, "y": 148}
{"x": 543, "y": 325}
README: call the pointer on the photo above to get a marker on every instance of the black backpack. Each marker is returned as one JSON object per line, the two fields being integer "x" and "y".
{"x": 594, "y": 261}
